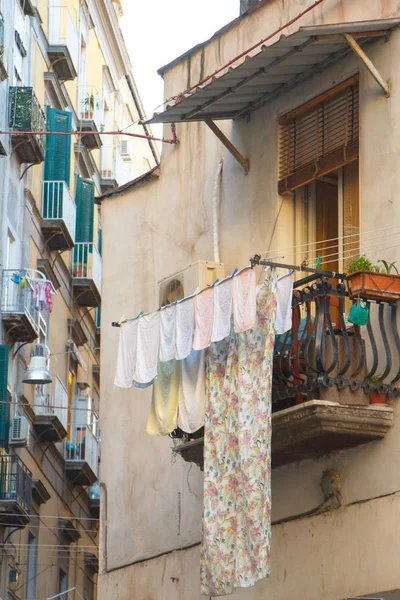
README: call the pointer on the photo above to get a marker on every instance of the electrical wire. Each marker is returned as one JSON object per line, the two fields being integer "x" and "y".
{"x": 35, "y": 515}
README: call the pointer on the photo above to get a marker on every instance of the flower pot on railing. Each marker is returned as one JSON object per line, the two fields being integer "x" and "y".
{"x": 79, "y": 270}
{"x": 378, "y": 397}
{"x": 374, "y": 286}
{"x": 87, "y": 115}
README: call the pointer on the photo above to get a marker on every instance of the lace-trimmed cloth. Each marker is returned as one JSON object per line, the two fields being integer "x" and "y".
{"x": 222, "y": 315}
{"x": 203, "y": 315}
{"x": 184, "y": 328}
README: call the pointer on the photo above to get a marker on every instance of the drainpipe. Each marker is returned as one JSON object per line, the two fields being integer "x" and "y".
{"x": 216, "y": 201}
{"x": 105, "y": 520}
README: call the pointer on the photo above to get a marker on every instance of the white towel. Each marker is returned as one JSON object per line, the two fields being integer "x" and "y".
{"x": 222, "y": 310}
{"x": 163, "y": 415}
{"x": 203, "y": 319}
{"x": 192, "y": 392}
{"x": 284, "y": 304}
{"x": 184, "y": 328}
{"x": 148, "y": 345}
{"x": 126, "y": 361}
{"x": 244, "y": 300}
{"x": 167, "y": 333}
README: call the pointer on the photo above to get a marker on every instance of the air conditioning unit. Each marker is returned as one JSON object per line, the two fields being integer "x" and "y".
{"x": 19, "y": 431}
{"x": 125, "y": 150}
{"x": 184, "y": 283}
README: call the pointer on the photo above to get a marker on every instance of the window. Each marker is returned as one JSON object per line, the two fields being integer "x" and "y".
{"x": 31, "y": 569}
{"x": 319, "y": 137}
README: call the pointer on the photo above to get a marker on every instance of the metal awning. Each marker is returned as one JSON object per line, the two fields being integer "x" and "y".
{"x": 271, "y": 71}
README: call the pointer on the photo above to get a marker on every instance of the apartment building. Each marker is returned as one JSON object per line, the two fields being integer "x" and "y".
{"x": 287, "y": 124}
{"x": 63, "y": 67}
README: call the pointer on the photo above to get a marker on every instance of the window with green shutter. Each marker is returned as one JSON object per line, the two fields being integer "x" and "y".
{"x": 84, "y": 200}
{"x": 4, "y": 397}
{"x": 58, "y": 147}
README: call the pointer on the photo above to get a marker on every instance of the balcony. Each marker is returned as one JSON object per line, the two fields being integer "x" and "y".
{"x": 82, "y": 456}
{"x": 86, "y": 274}
{"x": 15, "y": 492}
{"x": 26, "y": 116}
{"x": 91, "y": 117}
{"x": 112, "y": 168}
{"x": 325, "y": 371}
{"x": 51, "y": 411}
{"x": 20, "y": 317}
{"x": 63, "y": 47}
{"x": 59, "y": 216}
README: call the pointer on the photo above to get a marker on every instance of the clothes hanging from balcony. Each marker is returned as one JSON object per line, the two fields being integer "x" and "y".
{"x": 203, "y": 315}
{"x": 126, "y": 355}
{"x": 284, "y": 303}
{"x": 184, "y": 332}
{"x": 222, "y": 314}
{"x": 42, "y": 292}
{"x": 237, "y": 454}
{"x": 192, "y": 392}
{"x": 147, "y": 348}
{"x": 244, "y": 300}
{"x": 167, "y": 333}
{"x": 163, "y": 417}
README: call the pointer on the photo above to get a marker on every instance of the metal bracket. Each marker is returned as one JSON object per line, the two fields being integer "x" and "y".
{"x": 244, "y": 162}
{"x": 368, "y": 63}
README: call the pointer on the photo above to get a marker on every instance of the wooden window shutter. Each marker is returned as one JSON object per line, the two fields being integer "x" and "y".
{"x": 84, "y": 200}
{"x": 58, "y": 147}
{"x": 319, "y": 137}
{"x": 4, "y": 397}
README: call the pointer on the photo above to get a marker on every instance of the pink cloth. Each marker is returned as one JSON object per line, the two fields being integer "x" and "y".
{"x": 244, "y": 300}
{"x": 203, "y": 318}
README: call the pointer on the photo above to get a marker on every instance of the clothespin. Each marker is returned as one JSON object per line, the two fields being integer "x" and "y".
{"x": 140, "y": 314}
{"x": 318, "y": 263}
{"x": 237, "y": 270}
{"x": 215, "y": 282}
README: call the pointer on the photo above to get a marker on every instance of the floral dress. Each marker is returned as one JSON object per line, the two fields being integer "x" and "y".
{"x": 237, "y": 454}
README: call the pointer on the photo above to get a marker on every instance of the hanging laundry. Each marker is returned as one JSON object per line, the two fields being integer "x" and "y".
{"x": 184, "y": 328}
{"x": 284, "y": 303}
{"x": 244, "y": 300}
{"x": 126, "y": 360}
{"x": 147, "y": 348}
{"x": 163, "y": 415}
{"x": 192, "y": 392}
{"x": 203, "y": 315}
{"x": 167, "y": 333}
{"x": 222, "y": 314}
{"x": 235, "y": 548}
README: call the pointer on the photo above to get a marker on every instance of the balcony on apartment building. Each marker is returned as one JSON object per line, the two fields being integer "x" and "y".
{"x": 19, "y": 314}
{"x": 15, "y": 492}
{"x": 327, "y": 374}
{"x": 51, "y": 411}
{"x": 82, "y": 455}
{"x": 112, "y": 168}
{"x": 91, "y": 117}
{"x": 27, "y": 117}
{"x": 86, "y": 274}
{"x": 63, "y": 47}
{"x": 59, "y": 215}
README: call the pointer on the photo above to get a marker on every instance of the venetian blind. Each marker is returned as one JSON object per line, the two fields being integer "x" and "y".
{"x": 319, "y": 137}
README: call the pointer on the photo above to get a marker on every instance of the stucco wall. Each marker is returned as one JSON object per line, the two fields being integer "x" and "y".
{"x": 159, "y": 227}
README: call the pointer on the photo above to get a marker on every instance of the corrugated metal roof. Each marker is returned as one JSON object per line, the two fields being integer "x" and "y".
{"x": 270, "y": 71}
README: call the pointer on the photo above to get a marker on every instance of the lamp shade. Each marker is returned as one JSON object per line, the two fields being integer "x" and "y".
{"x": 38, "y": 372}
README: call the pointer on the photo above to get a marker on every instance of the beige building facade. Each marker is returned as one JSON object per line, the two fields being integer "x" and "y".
{"x": 152, "y": 503}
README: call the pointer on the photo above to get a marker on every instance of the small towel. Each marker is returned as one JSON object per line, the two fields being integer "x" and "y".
{"x": 148, "y": 345}
{"x": 167, "y": 333}
{"x": 203, "y": 319}
{"x": 192, "y": 392}
{"x": 284, "y": 304}
{"x": 244, "y": 300}
{"x": 163, "y": 417}
{"x": 222, "y": 310}
{"x": 184, "y": 328}
{"x": 126, "y": 361}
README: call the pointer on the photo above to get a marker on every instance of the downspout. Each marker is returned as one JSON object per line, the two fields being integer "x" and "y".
{"x": 216, "y": 202}
{"x": 104, "y": 520}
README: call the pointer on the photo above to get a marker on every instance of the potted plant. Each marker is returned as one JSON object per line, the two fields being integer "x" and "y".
{"x": 372, "y": 282}
{"x": 377, "y": 396}
{"x": 90, "y": 102}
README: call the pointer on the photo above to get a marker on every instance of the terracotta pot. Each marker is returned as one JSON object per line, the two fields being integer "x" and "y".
{"x": 378, "y": 398}
{"x": 87, "y": 115}
{"x": 374, "y": 286}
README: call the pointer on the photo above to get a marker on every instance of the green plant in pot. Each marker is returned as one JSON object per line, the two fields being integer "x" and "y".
{"x": 373, "y": 282}
{"x": 90, "y": 103}
{"x": 376, "y": 395}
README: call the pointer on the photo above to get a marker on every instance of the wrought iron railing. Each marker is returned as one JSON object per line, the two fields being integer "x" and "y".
{"x": 57, "y": 204}
{"x": 63, "y": 31}
{"x": 26, "y": 114}
{"x": 15, "y": 481}
{"x": 87, "y": 262}
{"x": 323, "y": 350}
{"x": 17, "y": 295}
{"x": 52, "y": 399}
{"x": 83, "y": 446}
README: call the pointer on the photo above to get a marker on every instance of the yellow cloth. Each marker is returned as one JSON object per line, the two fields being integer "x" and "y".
{"x": 163, "y": 417}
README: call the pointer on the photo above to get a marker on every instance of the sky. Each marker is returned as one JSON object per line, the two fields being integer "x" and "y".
{"x": 157, "y": 31}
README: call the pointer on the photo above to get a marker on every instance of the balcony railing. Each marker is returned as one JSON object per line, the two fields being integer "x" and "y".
{"x": 83, "y": 446}
{"x": 63, "y": 41}
{"x": 17, "y": 304}
{"x": 59, "y": 213}
{"x": 91, "y": 106}
{"x": 87, "y": 263}
{"x": 15, "y": 486}
{"x": 112, "y": 167}
{"x": 27, "y": 116}
{"x": 52, "y": 400}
